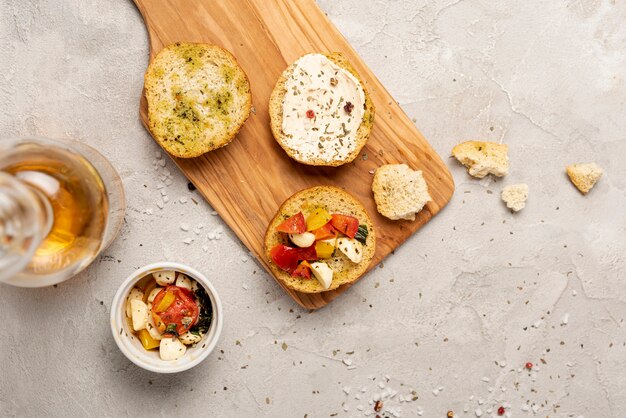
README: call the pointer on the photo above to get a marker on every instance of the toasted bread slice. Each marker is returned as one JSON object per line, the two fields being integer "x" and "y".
{"x": 276, "y": 118}
{"x": 482, "y": 158}
{"x": 399, "y": 192}
{"x": 515, "y": 196}
{"x": 584, "y": 175}
{"x": 198, "y": 98}
{"x": 334, "y": 200}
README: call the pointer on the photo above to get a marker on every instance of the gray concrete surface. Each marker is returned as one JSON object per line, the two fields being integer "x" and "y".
{"x": 449, "y": 320}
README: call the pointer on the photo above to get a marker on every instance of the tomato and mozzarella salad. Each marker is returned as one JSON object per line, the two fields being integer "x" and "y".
{"x": 169, "y": 311}
{"x": 313, "y": 239}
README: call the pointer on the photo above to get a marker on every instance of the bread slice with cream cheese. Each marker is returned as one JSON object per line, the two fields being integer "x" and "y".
{"x": 313, "y": 141}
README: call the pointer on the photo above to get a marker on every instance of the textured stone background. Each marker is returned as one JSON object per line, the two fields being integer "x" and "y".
{"x": 471, "y": 297}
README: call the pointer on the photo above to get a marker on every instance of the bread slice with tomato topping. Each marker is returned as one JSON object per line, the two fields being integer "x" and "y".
{"x": 320, "y": 232}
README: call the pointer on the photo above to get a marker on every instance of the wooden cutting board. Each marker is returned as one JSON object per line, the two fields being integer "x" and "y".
{"x": 247, "y": 181}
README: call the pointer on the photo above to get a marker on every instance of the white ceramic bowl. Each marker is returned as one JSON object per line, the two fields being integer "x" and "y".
{"x": 150, "y": 360}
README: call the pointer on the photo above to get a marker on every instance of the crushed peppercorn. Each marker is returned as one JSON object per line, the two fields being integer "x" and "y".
{"x": 378, "y": 406}
{"x": 348, "y": 107}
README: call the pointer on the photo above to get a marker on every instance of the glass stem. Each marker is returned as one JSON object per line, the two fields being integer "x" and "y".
{"x": 25, "y": 220}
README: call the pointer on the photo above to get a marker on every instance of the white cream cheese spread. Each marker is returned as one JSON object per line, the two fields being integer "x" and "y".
{"x": 322, "y": 109}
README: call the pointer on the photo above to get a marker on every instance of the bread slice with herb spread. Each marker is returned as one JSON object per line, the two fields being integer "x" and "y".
{"x": 320, "y": 111}
{"x": 198, "y": 98}
{"x": 483, "y": 158}
{"x": 329, "y": 216}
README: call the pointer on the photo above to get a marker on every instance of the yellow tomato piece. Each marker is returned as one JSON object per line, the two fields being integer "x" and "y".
{"x": 146, "y": 340}
{"x": 165, "y": 303}
{"x": 317, "y": 219}
{"x": 324, "y": 249}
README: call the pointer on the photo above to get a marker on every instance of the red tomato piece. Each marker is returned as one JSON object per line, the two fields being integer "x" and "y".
{"x": 325, "y": 232}
{"x": 293, "y": 225}
{"x": 182, "y": 313}
{"x": 285, "y": 257}
{"x": 347, "y": 225}
{"x": 303, "y": 270}
{"x": 308, "y": 254}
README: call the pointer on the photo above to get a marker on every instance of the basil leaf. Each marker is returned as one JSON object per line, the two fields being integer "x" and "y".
{"x": 361, "y": 234}
{"x": 206, "y": 313}
{"x": 171, "y": 329}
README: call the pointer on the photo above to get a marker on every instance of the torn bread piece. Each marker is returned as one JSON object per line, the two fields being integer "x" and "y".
{"x": 584, "y": 175}
{"x": 399, "y": 192}
{"x": 483, "y": 158}
{"x": 515, "y": 196}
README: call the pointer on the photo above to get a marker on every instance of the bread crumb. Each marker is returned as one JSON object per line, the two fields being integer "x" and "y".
{"x": 584, "y": 175}
{"x": 515, "y": 196}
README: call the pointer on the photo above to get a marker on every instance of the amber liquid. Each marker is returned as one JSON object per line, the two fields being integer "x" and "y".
{"x": 78, "y": 200}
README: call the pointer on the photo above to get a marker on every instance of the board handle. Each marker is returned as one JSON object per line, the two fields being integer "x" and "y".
{"x": 148, "y": 8}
